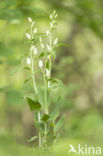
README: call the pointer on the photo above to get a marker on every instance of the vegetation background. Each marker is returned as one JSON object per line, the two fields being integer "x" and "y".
{"x": 79, "y": 66}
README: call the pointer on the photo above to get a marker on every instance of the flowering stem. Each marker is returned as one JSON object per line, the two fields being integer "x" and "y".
{"x": 34, "y": 85}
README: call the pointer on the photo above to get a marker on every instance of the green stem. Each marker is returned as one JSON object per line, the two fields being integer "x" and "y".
{"x": 34, "y": 85}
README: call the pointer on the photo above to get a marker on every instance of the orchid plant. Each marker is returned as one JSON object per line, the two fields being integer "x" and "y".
{"x": 42, "y": 53}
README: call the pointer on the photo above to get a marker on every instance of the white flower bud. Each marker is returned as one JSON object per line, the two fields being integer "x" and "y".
{"x": 35, "y": 30}
{"x": 56, "y": 15}
{"x": 40, "y": 63}
{"x": 48, "y": 47}
{"x": 51, "y": 24}
{"x": 29, "y": 19}
{"x": 54, "y": 12}
{"x": 28, "y": 61}
{"x": 42, "y": 45}
{"x": 40, "y": 39}
{"x": 51, "y": 16}
{"x": 32, "y": 48}
{"x": 28, "y": 36}
{"x": 47, "y": 32}
{"x": 47, "y": 73}
{"x": 35, "y": 51}
{"x": 55, "y": 41}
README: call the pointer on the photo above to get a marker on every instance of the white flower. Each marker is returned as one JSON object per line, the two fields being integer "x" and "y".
{"x": 48, "y": 47}
{"x": 48, "y": 57}
{"x": 40, "y": 63}
{"x": 28, "y": 61}
{"x": 28, "y": 36}
{"x": 32, "y": 48}
{"x": 47, "y": 72}
{"x": 42, "y": 45}
{"x": 54, "y": 12}
{"x": 47, "y": 32}
{"x": 35, "y": 30}
{"x": 51, "y": 24}
{"x": 56, "y": 41}
{"x": 35, "y": 51}
{"x": 56, "y": 15}
{"x": 40, "y": 39}
{"x": 51, "y": 16}
{"x": 29, "y": 19}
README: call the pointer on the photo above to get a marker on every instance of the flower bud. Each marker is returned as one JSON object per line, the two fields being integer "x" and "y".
{"x": 28, "y": 61}
{"x": 42, "y": 45}
{"x": 28, "y": 36}
{"x": 40, "y": 63}
{"x": 51, "y": 24}
{"x": 51, "y": 16}
{"x": 55, "y": 41}
{"x": 35, "y": 51}
{"x": 40, "y": 39}
{"x": 35, "y": 30}
{"x": 48, "y": 47}
{"x": 47, "y": 73}
{"x": 29, "y": 19}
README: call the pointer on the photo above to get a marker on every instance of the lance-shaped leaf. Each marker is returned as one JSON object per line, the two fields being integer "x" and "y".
{"x": 34, "y": 105}
{"x": 59, "y": 124}
{"x": 32, "y": 139}
{"x": 45, "y": 117}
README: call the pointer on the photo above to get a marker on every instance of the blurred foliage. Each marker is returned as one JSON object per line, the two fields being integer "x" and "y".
{"x": 80, "y": 66}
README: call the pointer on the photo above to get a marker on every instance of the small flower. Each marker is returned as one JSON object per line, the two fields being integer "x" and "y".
{"x": 48, "y": 47}
{"x": 40, "y": 63}
{"x": 28, "y": 61}
{"x": 51, "y": 24}
{"x": 32, "y": 48}
{"x": 35, "y": 51}
{"x": 35, "y": 30}
{"x": 29, "y": 19}
{"x": 47, "y": 72}
{"x": 40, "y": 39}
{"x": 54, "y": 12}
{"x": 42, "y": 45}
{"x": 48, "y": 57}
{"x": 51, "y": 16}
{"x": 56, "y": 15}
{"x": 47, "y": 32}
{"x": 28, "y": 35}
{"x": 56, "y": 41}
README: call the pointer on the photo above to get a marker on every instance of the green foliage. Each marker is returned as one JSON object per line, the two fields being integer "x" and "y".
{"x": 34, "y": 105}
{"x": 33, "y": 138}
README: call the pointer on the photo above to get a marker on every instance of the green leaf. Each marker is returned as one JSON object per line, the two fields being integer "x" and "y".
{"x": 45, "y": 117}
{"x": 59, "y": 124}
{"x": 27, "y": 68}
{"x": 34, "y": 105}
{"x": 27, "y": 80}
{"x": 61, "y": 45}
{"x": 41, "y": 55}
{"x": 32, "y": 139}
{"x": 55, "y": 112}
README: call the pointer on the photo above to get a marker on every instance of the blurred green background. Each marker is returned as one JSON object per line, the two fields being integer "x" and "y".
{"x": 79, "y": 66}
